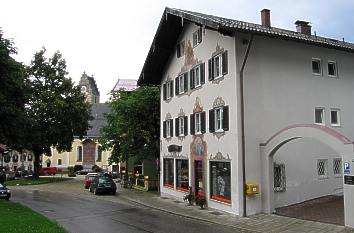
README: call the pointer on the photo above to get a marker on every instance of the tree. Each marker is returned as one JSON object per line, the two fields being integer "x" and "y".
{"x": 12, "y": 95}
{"x": 133, "y": 125}
{"x": 56, "y": 110}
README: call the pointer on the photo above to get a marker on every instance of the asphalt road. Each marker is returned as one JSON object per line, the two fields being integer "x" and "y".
{"x": 88, "y": 214}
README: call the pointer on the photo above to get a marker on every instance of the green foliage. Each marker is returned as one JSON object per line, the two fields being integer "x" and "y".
{"x": 96, "y": 168}
{"x": 29, "y": 222}
{"x": 133, "y": 125}
{"x": 71, "y": 172}
{"x": 78, "y": 168}
{"x": 13, "y": 94}
{"x": 56, "y": 109}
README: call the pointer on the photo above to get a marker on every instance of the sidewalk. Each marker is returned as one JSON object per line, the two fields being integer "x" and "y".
{"x": 254, "y": 223}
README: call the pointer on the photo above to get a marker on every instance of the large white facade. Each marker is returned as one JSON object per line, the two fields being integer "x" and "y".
{"x": 281, "y": 91}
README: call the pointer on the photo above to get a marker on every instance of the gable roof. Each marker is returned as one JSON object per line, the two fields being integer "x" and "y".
{"x": 127, "y": 84}
{"x": 99, "y": 121}
{"x": 171, "y": 26}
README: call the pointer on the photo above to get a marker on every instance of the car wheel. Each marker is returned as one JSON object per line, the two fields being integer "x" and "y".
{"x": 95, "y": 191}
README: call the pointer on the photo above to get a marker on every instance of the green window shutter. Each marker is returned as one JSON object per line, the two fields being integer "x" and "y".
{"x": 202, "y": 73}
{"x": 164, "y": 129}
{"x": 225, "y": 119}
{"x": 192, "y": 119}
{"x": 164, "y": 90}
{"x": 171, "y": 90}
{"x": 224, "y": 63}
{"x": 185, "y": 125}
{"x": 177, "y": 127}
{"x": 212, "y": 121}
{"x": 191, "y": 79}
{"x": 171, "y": 128}
{"x": 211, "y": 69}
{"x": 186, "y": 82}
{"x": 203, "y": 118}
{"x": 177, "y": 86}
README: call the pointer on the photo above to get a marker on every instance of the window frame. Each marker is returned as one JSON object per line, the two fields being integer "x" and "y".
{"x": 334, "y": 63}
{"x": 282, "y": 178}
{"x": 340, "y": 173}
{"x": 180, "y": 47}
{"x": 323, "y": 116}
{"x": 178, "y": 176}
{"x": 79, "y": 154}
{"x": 168, "y": 129}
{"x": 181, "y": 127}
{"x": 168, "y": 90}
{"x": 218, "y": 123}
{"x": 197, "y": 37}
{"x": 198, "y": 124}
{"x": 99, "y": 153}
{"x": 325, "y": 168}
{"x": 217, "y": 66}
{"x": 166, "y": 169}
{"x": 337, "y": 111}
{"x": 61, "y": 161}
{"x": 214, "y": 193}
{"x": 320, "y": 66}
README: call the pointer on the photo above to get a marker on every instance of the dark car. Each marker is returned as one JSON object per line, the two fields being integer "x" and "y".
{"x": 4, "y": 192}
{"x": 103, "y": 184}
{"x": 84, "y": 171}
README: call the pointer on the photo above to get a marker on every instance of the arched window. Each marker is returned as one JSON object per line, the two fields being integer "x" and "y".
{"x": 79, "y": 153}
{"x": 7, "y": 158}
{"x": 15, "y": 158}
{"x": 30, "y": 157}
{"x": 99, "y": 154}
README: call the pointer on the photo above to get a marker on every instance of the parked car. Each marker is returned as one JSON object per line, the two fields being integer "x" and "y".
{"x": 5, "y": 192}
{"x": 48, "y": 171}
{"x": 103, "y": 184}
{"x": 89, "y": 178}
{"x": 84, "y": 172}
{"x": 10, "y": 175}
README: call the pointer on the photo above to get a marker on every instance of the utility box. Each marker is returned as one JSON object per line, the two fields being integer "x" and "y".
{"x": 252, "y": 189}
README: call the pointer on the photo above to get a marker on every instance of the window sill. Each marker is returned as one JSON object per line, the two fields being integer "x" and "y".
{"x": 323, "y": 177}
{"x": 335, "y": 125}
{"x": 220, "y": 200}
{"x": 322, "y": 124}
{"x": 198, "y": 133}
{"x": 317, "y": 74}
{"x": 219, "y": 131}
{"x": 338, "y": 176}
{"x": 332, "y": 76}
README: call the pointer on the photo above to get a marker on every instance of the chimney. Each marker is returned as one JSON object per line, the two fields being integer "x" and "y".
{"x": 265, "y": 18}
{"x": 303, "y": 27}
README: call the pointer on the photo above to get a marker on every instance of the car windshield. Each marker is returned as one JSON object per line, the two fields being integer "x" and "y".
{"x": 1, "y": 186}
{"x": 105, "y": 180}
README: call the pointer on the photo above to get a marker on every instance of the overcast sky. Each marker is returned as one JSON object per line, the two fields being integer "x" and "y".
{"x": 110, "y": 39}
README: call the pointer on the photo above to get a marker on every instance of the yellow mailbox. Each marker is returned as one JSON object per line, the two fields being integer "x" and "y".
{"x": 252, "y": 189}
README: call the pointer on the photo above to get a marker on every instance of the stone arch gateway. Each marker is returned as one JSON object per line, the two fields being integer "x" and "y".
{"x": 338, "y": 142}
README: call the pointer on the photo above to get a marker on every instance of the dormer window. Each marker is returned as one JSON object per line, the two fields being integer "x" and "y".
{"x": 197, "y": 37}
{"x": 332, "y": 69}
{"x": 180, "y": 49}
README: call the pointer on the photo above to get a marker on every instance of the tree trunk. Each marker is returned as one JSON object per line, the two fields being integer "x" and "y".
{"x": 36, "y": 165}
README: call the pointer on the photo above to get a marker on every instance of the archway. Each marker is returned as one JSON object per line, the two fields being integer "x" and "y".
{"x": 338, "y": 142}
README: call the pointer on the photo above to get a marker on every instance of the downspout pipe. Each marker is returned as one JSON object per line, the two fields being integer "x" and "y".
{"x": 242, "y": 108}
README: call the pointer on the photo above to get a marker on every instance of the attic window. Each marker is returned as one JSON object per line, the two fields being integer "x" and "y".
{"x": 332, "y": 69}
{"x": 180, "y": 49}
{"x": 197, "y": 37}
{"x": 316, "y": 66}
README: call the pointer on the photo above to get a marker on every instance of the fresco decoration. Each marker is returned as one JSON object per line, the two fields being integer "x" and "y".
{"x": 198, "y": 147}
{"x": 181, "y": 113}
{"x": 168, "y": 116}
{"x": 219, "y": 157}
{"x": 218, "y": 50}
{"x": 197, "y": 106}
{"x": 168, "y": 155}
{"x": 218, "y": 102}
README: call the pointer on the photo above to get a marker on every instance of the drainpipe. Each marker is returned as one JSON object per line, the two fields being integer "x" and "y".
{"x": 243, "y": 147}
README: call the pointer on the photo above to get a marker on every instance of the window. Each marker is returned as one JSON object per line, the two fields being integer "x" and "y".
{"x": 15, "y": 158}
{"x": 322, "y": 165}
{"x": 181, "y": 126}
{"x": 279, "y": 178}
{"x": 332, "y": 69}
{"x": 220, "y": 181}
{"x": 99, "y": 154}
{"x": 30, "y": 157}
{"x": 319, "y": 116}
{"x": 218, "y": 66}
{"x": 79, "y": 153}
{"x": 168, "y": 176}
{"x": 337, "y": 167}
{"x": 316, "y": 66}
{"x": 197, "y": 76}
{"x": 197, "y": 123}
{"x": 23, "y": 157}
{"x": 59, "y": 162}
{"x": 197, "y": 37}
{"x": 168, "y": 128}
{"x": 219, "y": 119}
{"x": 181, "y": 84}
{"x": 180, "y": 49}
{"x": 182, "y": 174}
{"x": 335, "y": 117}
{"x": 7, "y": 158}
{"x": 168, "y": 90}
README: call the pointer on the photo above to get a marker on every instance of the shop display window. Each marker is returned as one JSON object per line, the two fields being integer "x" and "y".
{"x": 220, "y": 181}
{"x": 182, "y": 173}
{"x": 168, "y": 174}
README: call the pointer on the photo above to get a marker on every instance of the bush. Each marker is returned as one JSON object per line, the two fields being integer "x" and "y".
{"x": 78, "y": 168}
{"x": 71, "y": 172}
{"x": 96, "y": 168}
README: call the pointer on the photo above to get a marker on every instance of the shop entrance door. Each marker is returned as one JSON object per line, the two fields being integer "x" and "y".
{"x": 198, "y": 169}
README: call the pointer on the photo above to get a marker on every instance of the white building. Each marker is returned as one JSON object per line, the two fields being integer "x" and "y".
{"x": 232, "y": 90}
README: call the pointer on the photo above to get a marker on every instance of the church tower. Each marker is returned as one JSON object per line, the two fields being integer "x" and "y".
{"x": 89, "y": 88}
